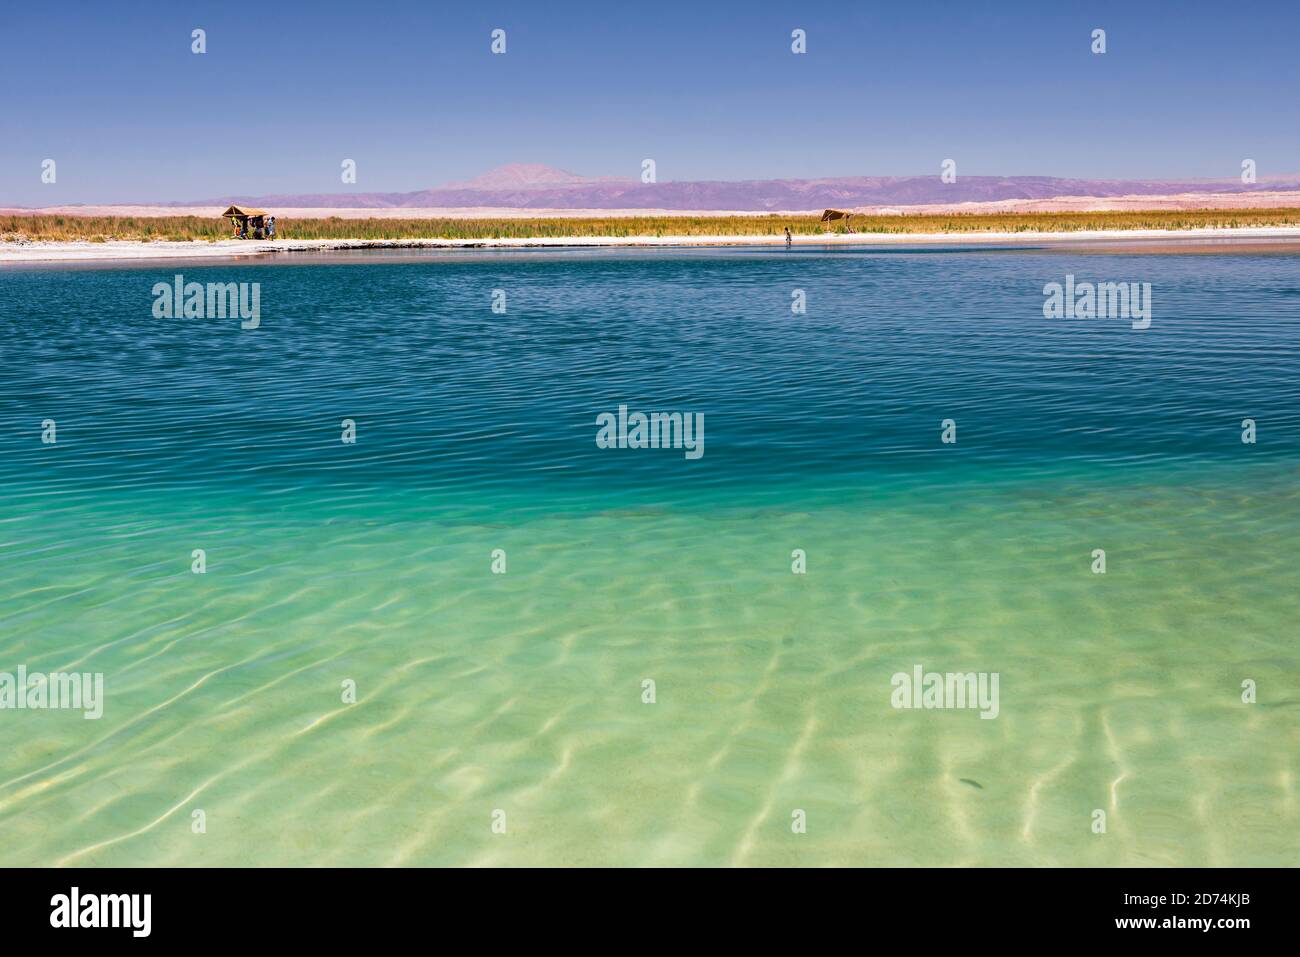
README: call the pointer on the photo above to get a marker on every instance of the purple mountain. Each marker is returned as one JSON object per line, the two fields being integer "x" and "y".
{"x": 532, "y": 186}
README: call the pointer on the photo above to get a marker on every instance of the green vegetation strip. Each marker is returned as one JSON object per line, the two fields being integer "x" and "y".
{"x": 181, "y": 228}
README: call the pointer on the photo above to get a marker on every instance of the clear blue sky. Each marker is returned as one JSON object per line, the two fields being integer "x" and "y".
{"x": 709, "y": 90}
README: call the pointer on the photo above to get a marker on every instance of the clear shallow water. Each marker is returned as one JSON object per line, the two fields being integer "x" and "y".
{"x": 522, "y": 691}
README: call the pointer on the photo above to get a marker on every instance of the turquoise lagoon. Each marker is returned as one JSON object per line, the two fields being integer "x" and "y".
{"x": 523, "y": 692}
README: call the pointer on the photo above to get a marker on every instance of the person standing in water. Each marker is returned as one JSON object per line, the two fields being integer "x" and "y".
{"x": 788, "y": 238}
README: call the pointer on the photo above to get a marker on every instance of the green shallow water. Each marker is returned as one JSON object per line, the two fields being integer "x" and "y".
{"x": 522, "y": 692}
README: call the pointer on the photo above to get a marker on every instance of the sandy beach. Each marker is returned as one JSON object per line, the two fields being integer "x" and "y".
{"x": 122, "y": 250}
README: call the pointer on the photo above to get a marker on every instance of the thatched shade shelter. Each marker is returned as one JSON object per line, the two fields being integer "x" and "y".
{"x": 243, "y": 212}
{"x": 245, "y": 217}
{"x": 831, "y": 215}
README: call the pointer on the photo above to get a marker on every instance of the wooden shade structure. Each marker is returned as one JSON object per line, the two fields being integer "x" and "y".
{"x": 243, "y": 212}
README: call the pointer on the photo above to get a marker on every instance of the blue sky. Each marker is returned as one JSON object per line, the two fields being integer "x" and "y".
{"x": 411, "y": 91}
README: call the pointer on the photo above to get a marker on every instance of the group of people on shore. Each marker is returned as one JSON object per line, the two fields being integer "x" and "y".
{"x": 259, "y": 227}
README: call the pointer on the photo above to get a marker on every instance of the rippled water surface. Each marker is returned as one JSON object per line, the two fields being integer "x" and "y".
{"x": 523, "y": 692}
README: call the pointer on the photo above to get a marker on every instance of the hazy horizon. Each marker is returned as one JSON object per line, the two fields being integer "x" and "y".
{"x": 481, "y": 183}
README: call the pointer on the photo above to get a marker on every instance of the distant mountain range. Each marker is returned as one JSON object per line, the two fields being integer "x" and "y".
{"x": 533, "y": 186}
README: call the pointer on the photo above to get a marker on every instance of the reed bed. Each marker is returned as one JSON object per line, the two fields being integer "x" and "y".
{"x": 65, "y": 228}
